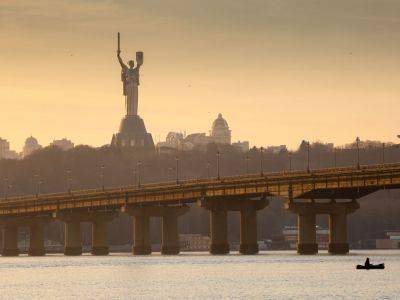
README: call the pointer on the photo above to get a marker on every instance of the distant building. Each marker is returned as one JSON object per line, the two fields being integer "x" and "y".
{"x": 5, "y": 151}
{"x": 64, "y": 144}
{"x": 241, "y": 146}
{"x": 194, "y": 242}
{"x": 276, "y": 149}
{"x": 31, "y": 145}
{"x": 391, "y": 242}
{"x": 4, "y": 148}
{"x": 220, "y": 132}
{"x": 290, "y": 234}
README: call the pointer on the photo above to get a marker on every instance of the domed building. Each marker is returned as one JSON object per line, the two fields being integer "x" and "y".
{"x": 31, "y": 144}
{"x": 220, "y": 132}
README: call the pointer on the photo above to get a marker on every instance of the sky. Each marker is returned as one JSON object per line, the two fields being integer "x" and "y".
{"x": 279, "y": 71}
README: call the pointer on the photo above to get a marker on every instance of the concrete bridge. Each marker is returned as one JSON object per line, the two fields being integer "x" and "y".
{"x": 307, "y": 193}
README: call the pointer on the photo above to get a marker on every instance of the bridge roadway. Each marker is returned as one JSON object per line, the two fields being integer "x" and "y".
{"x": 302, "y": 190}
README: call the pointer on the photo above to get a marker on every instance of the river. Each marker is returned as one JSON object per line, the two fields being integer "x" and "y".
{"x": 269, "y": 275}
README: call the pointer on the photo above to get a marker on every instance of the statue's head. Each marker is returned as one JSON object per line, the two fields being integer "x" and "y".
{"x": 131, "y": 64}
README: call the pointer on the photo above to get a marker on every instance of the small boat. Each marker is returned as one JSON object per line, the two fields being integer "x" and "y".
{"x": 370, "y": 266}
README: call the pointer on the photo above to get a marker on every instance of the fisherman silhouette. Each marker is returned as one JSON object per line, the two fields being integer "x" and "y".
{"x": 367, "y": 264}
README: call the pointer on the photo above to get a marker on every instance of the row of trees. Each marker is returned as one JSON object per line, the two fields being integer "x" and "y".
{"x": 53, "y": 170}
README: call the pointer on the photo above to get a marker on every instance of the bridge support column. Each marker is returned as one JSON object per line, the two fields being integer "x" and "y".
{"x": 337, "y": 212}
{"x": 10, "y": 240}
{"x": 170, "y": 237}
{"x": 36, "y": 243}
{"x": 306, "y": 234}
{"x": 100, "y": 237}
{"x": 338, "y": 234}
{"x": 248, "y": 231}
{"x": 219, "y": 207}
{"x": 219, "y": 231}
{"x": 141, "y": 235}
{"x": 73, "y": 241}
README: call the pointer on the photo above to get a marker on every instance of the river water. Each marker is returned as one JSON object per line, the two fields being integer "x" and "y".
{"x": 269, "y": 275}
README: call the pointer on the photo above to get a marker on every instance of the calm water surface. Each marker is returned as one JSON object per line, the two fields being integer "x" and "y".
{"x": 269, "y": 275}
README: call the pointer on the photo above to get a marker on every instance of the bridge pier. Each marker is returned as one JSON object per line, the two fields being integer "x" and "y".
{"x": 73, "y": 239}
{"x": 141, "y": 235}
{"x": 36, "y": 239}
{"x": 219, "y": 231}
{"x": 141, "y": 231}
{"x": 248, "y": 231}
{"x": 219, "y": 207}
{"x": 10, "y": 240}
{"x": 73, "y": 236}
{"x": 337, "y": 212}
{"x": 306, "y": 234}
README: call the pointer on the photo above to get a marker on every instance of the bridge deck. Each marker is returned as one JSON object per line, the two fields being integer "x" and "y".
{"x": 339, "y": 183}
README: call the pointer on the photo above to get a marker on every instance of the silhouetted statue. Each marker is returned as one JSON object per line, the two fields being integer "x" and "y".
{"x": 130, "y": 80}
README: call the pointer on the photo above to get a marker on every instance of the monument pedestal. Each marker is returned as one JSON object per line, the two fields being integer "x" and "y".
{"x": 132, "y": 133}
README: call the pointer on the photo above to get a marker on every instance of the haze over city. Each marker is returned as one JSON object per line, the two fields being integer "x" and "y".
{"x": 279, "y": 71}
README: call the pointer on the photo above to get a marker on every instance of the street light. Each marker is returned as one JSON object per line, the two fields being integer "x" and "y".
{"x": 208, "y": 169}
{"x": 290, "y": 161}
{"x": 218, "y": 157}
{"x": 170, "y": 174}
{"x": 261, "y": 161}
{"x": 334, "y": 157}
{"x": 308, "y": 157}
{"x": 102, "y": 176}
{"x": 69, "y": 179}
{"x": 358, "y": 152}
{"x": 6, "y": 187}
{"x": 247, "y": 158}
{"x": 177, "y": 169}
{"x": 383, "y": 153}
{"x": 138, "y": 164}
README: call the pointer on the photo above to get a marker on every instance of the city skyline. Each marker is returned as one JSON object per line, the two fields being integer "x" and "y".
{"x": 335, "y": 85}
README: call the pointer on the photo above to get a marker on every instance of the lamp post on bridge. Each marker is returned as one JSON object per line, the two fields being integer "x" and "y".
{"x": 290, "y": 161}
{"x": 308, "y": 156}
{"x": 247, "y": 158}
{"x": 208, "y": 169}
{"x": 261, "y": 161}
{"x": 334, "y": 157}
{"x": 383, "y": 153}
{"x": 39, "y": 183}
{"x": 358, "y": 152}
{"x": 177, "y": 169}
{"x": 7, "y": 186}
{"x": 102, "y": 176}
{"x": 69, "y": 180}
{"x": 218, "y": 158}
{"x": 138, "y": 167}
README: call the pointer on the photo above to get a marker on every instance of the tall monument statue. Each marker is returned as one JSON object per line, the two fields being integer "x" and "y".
{"x": 130, "y": 80}
{"x": 132, "y": 132}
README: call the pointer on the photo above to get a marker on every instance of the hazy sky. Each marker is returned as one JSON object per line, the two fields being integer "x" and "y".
{"x": 279, "y": 71}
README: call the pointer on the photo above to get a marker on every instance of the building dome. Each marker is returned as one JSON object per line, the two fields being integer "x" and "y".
{"x": 220, "y": 122}
{"x": 31, "y": 141}
{"x": 31, "y": 145}
{"x": 220, "y": 132}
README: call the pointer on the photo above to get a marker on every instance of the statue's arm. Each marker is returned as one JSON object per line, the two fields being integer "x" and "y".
{"x": 123, "y": 66}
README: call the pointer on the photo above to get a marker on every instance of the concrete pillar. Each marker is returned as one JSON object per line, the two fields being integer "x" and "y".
{"x": 141, "y": 235}
{"x": 306, "y": 234}
{"x": 100, "y": 236}
{"x": 248, "y": 231}
{"x": 73, "y": 243}
{"x": 10, "y": 240}
{"x": 170, "y": 238}
{"x": 219, "y": 231}
{"x": 36, "y": 239}
{"x": 338, "y": 234}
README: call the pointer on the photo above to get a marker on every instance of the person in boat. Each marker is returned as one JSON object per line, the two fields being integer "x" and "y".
{"x": 367, "y": 263}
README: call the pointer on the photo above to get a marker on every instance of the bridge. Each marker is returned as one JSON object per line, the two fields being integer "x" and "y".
{"x": 332, "y": 191}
